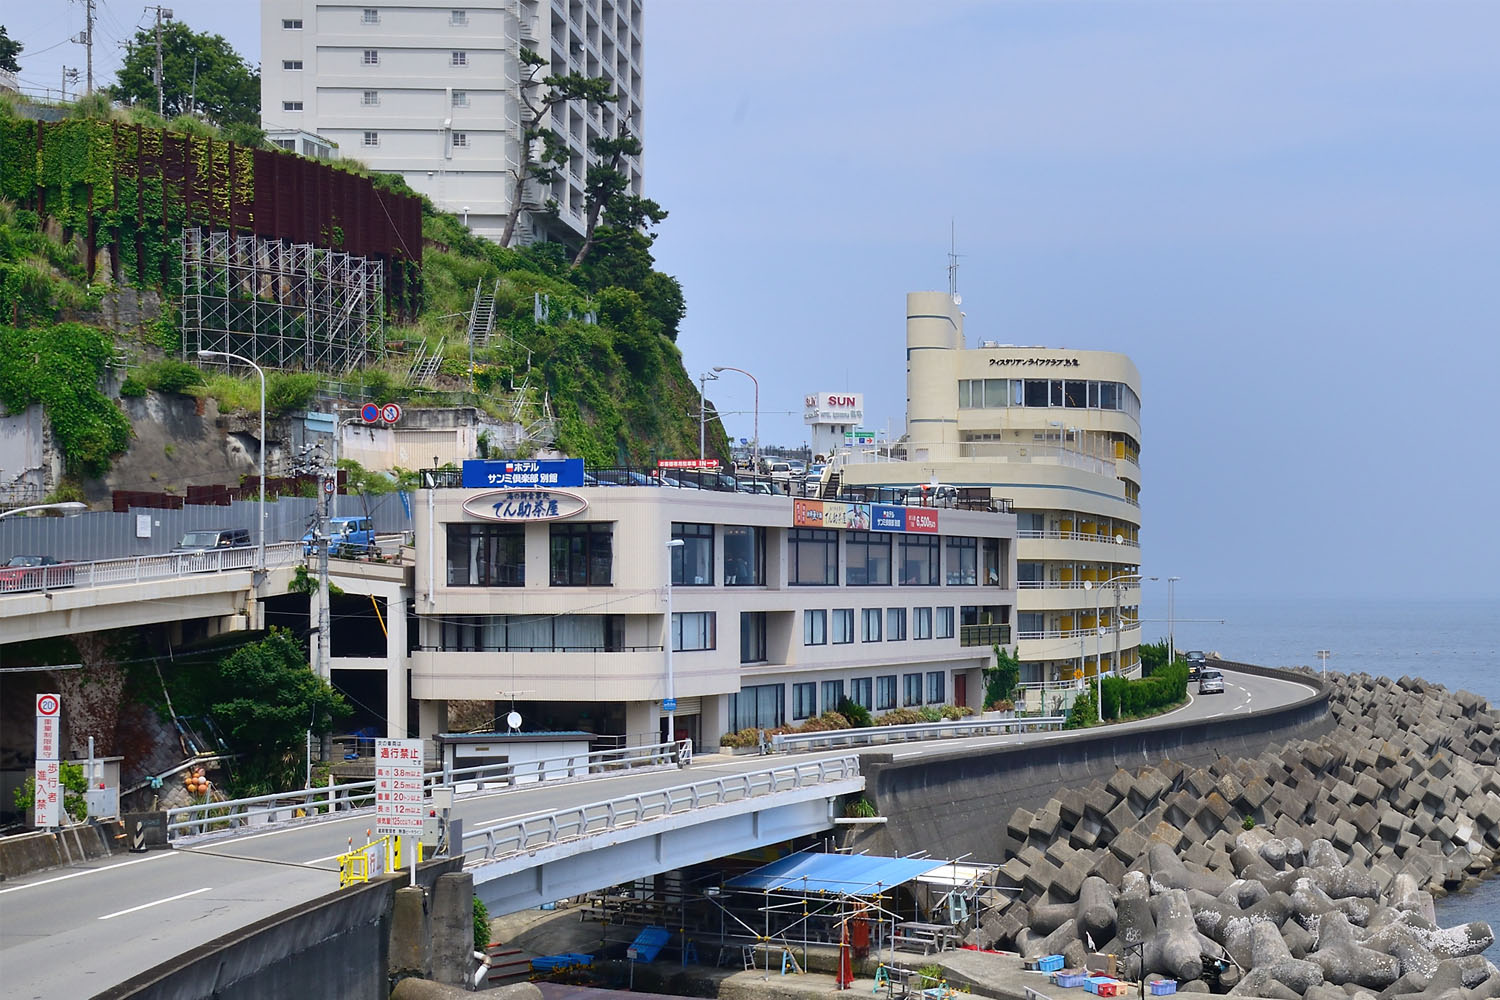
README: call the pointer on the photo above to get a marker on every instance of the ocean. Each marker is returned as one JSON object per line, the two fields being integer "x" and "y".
{"x": 1454, "y": 643}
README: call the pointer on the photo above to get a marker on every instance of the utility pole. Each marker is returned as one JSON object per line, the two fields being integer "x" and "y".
{"x": 162, "y": 14}
{"x": 68, "y": 75}
{"x": 325, "y": 596}
{"x": 86, "y": 39}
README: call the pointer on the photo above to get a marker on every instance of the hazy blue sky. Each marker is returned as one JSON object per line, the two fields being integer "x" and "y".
{"x": 1288, "y": 214}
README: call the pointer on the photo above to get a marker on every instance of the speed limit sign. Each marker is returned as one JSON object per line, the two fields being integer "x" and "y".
{"x": 46, "y": 704}
{"x": 390, "y": 413}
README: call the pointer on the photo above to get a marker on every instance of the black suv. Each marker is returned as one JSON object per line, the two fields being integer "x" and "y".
{"x": 1196, "y": 662}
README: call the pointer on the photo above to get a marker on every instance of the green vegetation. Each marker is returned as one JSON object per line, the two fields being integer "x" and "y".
{"x": 1084, "y": 713}
{"x": 860, "y": 808}
{"x": 201, "y": 73}
{"x": 74, "y": 784}
{"x": 60, "y": 367}
{"x": 481, "y": 926}
{"x": 857, "y": 714}
{"x": 1125, "y": 698}
{"x": 1000, "y": 680}
{"x": 9, "y": 50}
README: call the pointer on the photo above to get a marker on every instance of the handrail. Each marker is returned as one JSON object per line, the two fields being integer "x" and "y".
{"x": 235, "y": 813}
{"x": 947, "y": 729}
{"x": 521, "y": 835}
{"x": 137, "y": 569}
{"x": 1075, "y": 536}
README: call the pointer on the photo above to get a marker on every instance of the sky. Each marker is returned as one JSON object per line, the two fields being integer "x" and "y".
{"x": 1286, "y": 213}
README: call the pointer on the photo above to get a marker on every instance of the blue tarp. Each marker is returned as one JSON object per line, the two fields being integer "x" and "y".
{"x": 850, "y": 874}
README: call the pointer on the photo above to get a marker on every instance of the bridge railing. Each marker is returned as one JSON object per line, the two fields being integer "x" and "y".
{"x": 520, "y": 835}
{"x": 233, "y": 814}
{"x": 915, "y": 731}
{"x": 137, "y": 569}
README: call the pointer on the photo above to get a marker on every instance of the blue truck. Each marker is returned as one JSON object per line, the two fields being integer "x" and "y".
{"x": 348, "y": 536}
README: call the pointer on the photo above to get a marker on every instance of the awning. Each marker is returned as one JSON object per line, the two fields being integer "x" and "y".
{"x": 834, "y": 874}
{"x": 953, "y": 876}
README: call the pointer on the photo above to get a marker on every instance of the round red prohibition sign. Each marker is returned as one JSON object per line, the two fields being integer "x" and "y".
{"x": 369, "y": 413}
{"x": 390, "y": 413}
{"x": 46, "y": 704}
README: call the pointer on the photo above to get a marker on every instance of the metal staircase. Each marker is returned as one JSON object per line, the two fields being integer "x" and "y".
{"x": 424, "y": 367}
{"x": 830, "y": 486}
{"x": 482, "y": 315}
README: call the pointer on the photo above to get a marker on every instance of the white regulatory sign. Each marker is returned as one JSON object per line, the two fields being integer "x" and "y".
{"x": 399, "y": 802}
{"x": 48, "y": 801}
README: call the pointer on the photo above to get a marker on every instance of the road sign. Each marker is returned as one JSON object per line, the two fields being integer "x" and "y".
{"x": 669, "y": 704}
{"x": 328, "y": 486}
{"x": 47, "y": 773}
{"x": 369, "y": 413}
{"x": 399, "y": 799}
{"x": 48, "y": 704}
{"x": 390, "y": 413}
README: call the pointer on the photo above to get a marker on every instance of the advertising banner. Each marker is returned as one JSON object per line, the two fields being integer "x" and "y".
{"x": 399, "y": 799}
{"x": 807, "y": 513}
{"x": 887, "y": 518}
{"x": 525, "y": 505}
{"x": 479, "y": 473}
{"x": 923, "y": 519}
{"x": 687, "y": 463}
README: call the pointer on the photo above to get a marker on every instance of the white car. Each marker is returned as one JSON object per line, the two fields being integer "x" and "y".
{"x": 1210, "y": 681}
{"x": 781, "y": 470}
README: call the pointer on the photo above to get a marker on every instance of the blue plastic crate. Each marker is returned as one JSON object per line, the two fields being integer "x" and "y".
{"x": 1050, "y": 963}
{"x": 1071, "y": 978}
{"x": 1162, "y": 987}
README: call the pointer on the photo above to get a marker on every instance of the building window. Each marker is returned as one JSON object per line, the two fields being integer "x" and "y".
{"x": 486, "y": 555}
{"x": 869, "y": 557}
{"x": 370, "y": 99}
{"x": 885, "y": 693}
{"x": 911, "y": 690}
{"x": 458, "y": 18}
{"x": 744, "y": 556}
{"x": 815, "y": 627}
{"x": 693, "y": 560}
{"x": 992, "y": 562}
{"x": 843, "y": 625}
{"x": 458, "y": 58}
{"x": 871, "y": 625}
{"x": 693, "y": 630}
{"x": 460, "y": 98}
{"x": 371, "y": 16}
{"x": 833, "y": 695}
{"x": 291, "y": 105}
{"x": 752, "y": 636}
{"x": 863, "y": 692}
{"x": 921, "y": 623}
{"x": 372, "y": 57}
{"x": 534, "y": 633}
{"x": 963, "y": 562}
{"x": 945, "y": 623}
{"x": 804, "y": 701}
{"x": 937, "y": 687}
{"x": 919, "y": 561}
{"x": 582, "y": 554}
{"x": 759, "y": 706}
{"x": 372, "y": 138}
{"x": 292, "y": 65}
{"x": 895, "y": 624}
{"x": 813, "y": 557}
{"x": 288, "y": 144}
{"x": 291, "y": 24}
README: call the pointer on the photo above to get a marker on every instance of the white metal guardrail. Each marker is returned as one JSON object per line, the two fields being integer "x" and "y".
{"x": 948, "y": 729}
{"x": 141, "y": 568}
{"x": 232, "y": 814}
{"x": 521, "y": 835}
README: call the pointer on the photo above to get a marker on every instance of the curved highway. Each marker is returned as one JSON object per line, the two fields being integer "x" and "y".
{"x": 73, "y": 932}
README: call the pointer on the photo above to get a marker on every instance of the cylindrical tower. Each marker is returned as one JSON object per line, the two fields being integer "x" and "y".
{"x": 934, "y": 336}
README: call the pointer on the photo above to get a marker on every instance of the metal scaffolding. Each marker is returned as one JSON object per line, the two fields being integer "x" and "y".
{"x": 284, "y": 305}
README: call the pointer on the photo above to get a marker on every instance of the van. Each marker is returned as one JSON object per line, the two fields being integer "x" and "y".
{"x": 214, "y": 538}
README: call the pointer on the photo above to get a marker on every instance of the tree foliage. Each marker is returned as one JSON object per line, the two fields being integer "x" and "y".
{"x": 1153, "y": 656}
{"x": 1000, "y": 680}
{"x": 10, "y": 49}
{"x": 60, "y": 367}
{"x": 227, "y": 90}
{"x": 74, "y": 784}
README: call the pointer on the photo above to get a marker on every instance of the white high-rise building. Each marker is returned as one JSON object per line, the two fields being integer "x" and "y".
{"x": 431, "y": 90}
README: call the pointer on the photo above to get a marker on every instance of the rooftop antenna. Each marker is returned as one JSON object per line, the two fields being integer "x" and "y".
{"x": 953, "y": 265}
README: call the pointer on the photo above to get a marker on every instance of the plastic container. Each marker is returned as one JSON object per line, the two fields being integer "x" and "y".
{"x": 1103, "y": 986}
{"x": 1071, "y": 978}
{"x": 1162, "y": 987}
{"x": 1050, "y": 963}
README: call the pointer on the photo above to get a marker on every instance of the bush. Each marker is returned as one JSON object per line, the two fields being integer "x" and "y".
{"x": 857, "y": 714}
{"x": 1001, "y": 679}
{"x": 900, "y": 717}
{"x": 74, "y": 784}
{"x": 749, "y": 737}
{"x": 1001, "y": 706}
{"x": 132, "y": 387}
{"x": 1084, "y": 713}
{"x": 481, "y": 926}
{"x": 860, "y": 808}
{"x": 1125, "y": 698}
{"x": 953, "y": 713}
{"x": 930, "y": 714}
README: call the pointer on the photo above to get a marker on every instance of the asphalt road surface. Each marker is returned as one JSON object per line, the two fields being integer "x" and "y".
{"x": 72, "y": 932}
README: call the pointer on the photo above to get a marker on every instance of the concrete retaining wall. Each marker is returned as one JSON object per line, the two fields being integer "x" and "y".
{"x": 952, "y": 805}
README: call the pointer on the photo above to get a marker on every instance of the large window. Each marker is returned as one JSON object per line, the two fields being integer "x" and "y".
{"x": 885, "y": 693}
{"x": 869, "y": 556}
{"x": 945, "y": 623}
{"x": 992, "y": 563}
{"x": 911, "y": 690}
{"x": 744, "y": 556}
{"x": 833, "y": 695}
{"x": 937, "y": 687}
{"x": 870, "y": 618}
{"x": 486, "y": 555}
{"x": 760, "y": 706}
{"x": 804, "y": 700}
{"x": 582, "y": 554}
{"x": 815, "y": 627}
{"x": 693, "y": 630}
{"x": 921, "y": 623}
{"x": 919, "y": 560}
{"x": 752, "y": 636}
{"x": 895, "y": 624}
{"x": 863, "y": 692}
{"x": 963, "y": 562}
{"x": 534, "y": 633}
{"x": 813, "y": 557}
{"x": 843, "y": 625}
{"x": 693, "y": 560}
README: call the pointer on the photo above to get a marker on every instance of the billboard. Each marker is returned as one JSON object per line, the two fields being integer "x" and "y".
{"x": 479, "y": 473}
{"x": 833, "y": 408}
{"x": 863, "y": 516}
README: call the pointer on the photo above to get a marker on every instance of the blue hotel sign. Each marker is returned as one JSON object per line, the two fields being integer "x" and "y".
{"x": 549, "y": 472}
{"x": 886, "y": 518}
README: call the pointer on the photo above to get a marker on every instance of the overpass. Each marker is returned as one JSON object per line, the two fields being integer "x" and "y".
{"x": 533, "y": 843}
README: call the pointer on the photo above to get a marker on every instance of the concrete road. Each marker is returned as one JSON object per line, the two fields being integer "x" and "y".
{"x": 72, "y": 932}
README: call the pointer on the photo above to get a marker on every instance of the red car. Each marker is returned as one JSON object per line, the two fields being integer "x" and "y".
{"x": 34, "y": 573}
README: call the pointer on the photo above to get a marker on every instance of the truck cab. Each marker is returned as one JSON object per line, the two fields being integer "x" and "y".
{"x": 348, "y": 536}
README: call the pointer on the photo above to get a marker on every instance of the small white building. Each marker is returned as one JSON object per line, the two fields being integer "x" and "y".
{"x": 835, "y": 422}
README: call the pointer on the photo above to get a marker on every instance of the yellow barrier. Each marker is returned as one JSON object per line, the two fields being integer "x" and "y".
{"x": 378, "y": 857}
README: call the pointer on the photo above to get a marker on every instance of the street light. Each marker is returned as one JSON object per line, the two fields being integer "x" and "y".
{"x": 1171, "y": 620}
{"x": 703, "y": 381}
{"x": 261, "y": 556}
{"x": 1115, "y": 582}
{"x": 68, "y": 508}
{"x": 671, "y": 699}
{"x": 756, "y": 432}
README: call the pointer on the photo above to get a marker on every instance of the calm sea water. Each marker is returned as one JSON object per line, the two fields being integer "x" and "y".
{"x": 1455, "y": 643}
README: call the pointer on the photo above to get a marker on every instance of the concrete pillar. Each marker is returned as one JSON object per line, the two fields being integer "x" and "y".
{"x": 432, "y": 717}
{"x": 713, "y": 722}
{"x": 641, "y": 723}
{"x": 411, "y": 948}
{"x": 934, "y": 334}
{"x": 396, "y": 687}
{"x": 452, "y": 928}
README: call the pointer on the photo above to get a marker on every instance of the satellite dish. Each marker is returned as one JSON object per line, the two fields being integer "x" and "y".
{"x": 513, "y": 720}
{"x": 958, "y": 299}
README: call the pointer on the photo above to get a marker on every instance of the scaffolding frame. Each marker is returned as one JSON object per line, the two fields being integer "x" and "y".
{"x": 281, "y": 304}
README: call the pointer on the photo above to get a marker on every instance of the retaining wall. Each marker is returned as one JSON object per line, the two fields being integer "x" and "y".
{"x": 956, "y": 804}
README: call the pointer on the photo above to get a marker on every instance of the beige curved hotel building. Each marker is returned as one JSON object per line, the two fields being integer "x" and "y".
{"x": 1058, "y": 432}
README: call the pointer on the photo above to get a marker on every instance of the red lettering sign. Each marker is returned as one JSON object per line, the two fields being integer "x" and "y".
{"x": 922, "y": 519}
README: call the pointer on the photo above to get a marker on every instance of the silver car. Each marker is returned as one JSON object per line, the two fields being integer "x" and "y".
{"x": 1211, "y": 681}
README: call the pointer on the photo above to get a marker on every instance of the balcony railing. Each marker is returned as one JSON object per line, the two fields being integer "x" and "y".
{"x": 984, "y": 635}
{"x": 1077, "y": 536}
{"x": 1076, "y": 633}
{"x": 1067, "y": 585}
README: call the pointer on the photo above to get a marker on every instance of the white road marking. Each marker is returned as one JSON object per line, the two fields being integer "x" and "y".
{"x": 90, "y": 871}
{"x": 133, "y": 909}
{"x": 330, "y": 857}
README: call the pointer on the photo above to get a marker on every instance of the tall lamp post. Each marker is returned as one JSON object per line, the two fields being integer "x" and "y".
{"x": 1172, "y": 620}
{"x": 703, "y": 380}
{"x": 67, "y": 508}
{"x": 261, "y": 545}
{"x": 756, "y": 430}
{"x": 671, "y": 699}
{"x": 1114, "y": 582}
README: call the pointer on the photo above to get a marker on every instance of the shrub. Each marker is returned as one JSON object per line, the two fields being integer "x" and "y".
{"x": 73, "y": 786}
{"x": 857, "y": 714}
{"x": 1124, "y": 698}
{"x": 930, "y": 714}
{"x": 900, "y": 717}
{"x": 481, "y": 925}
{"x": 860, "y": 808}
{"x": 132, "y": 387}
{"x": 1001, "y": 706}
{"x": 1084, "y": 713}
{"x": 955, "y": 712}
{"x": 749, "y": 737}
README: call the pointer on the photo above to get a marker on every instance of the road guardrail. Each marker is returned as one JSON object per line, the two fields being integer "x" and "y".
{"x": 138, "y": 569}
{"x": 947, "y": 729}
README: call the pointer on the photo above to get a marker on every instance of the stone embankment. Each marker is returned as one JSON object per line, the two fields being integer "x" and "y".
{"x": 1306, "y": 873}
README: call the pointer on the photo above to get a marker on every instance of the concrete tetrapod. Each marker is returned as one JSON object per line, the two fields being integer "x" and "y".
{"x": 1343, "y": 960}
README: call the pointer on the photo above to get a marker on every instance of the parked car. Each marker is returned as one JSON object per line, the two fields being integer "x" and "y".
{"x": 781, "y": 470}
{"x": 1196, "y": 661}
{"x": 621, "y": 477}
{"x": 216, "y": 538}
{"x": 1211, "y": 681}
{"x": 34, "y": 573}
{"x": 348, "y": 536}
